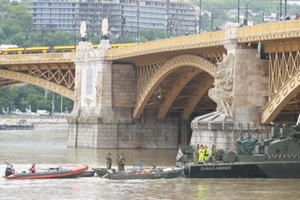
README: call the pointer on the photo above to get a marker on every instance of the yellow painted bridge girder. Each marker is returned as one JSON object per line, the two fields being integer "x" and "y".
{"x": 178, "y": 86}
{"x": 198, "y": 94}
{"x": 64, "y": 91}
{"x": 166, "y": 69}
{"x": 282, "y": 97}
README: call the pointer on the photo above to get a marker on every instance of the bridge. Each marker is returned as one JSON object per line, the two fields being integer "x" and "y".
{"x": 171, "y": 77}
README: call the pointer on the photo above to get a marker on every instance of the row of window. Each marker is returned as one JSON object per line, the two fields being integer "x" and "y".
{"x": 43, "y": 4}
{"x": 127, "y": 14}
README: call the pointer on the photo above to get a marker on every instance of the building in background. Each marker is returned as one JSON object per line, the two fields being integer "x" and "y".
{"x": 130, "y": 16}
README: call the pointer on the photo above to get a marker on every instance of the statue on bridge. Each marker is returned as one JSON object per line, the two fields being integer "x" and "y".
{"x": 83, "y": 31}
{"x": 105, "y": 32}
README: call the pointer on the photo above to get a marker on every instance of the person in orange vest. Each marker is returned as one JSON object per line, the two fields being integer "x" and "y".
{"x": 32, "y": 169}
{"x": 201, "y": 152}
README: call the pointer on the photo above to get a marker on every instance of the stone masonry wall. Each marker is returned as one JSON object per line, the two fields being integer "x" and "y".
{"x": 249, "y": 86}
{"x": 94, "y": 134}
{"x": 123, "y": 86}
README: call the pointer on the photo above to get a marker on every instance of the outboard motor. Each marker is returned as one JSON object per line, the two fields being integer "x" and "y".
{"x": 186, "y": 170}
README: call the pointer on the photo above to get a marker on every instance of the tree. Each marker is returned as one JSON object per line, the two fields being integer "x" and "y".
{"x": 3, "y": 5}
{"x": 15, "y": 23}
{"x": 58, "y": 38}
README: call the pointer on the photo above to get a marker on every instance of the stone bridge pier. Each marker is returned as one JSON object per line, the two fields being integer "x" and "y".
{"x": 239, "y": 87}
{"x": 102, "y": 114}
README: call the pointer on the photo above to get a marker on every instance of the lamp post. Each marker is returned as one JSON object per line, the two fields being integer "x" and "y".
{"x": 75, "y": 31}
{"x": 53, "y": 103}
{"x": 238, "y": 17}
{"x": 280, "y": 9}
{"x": 167, "y": 16}
{"x": 285, "y": 7}
{"x": 263, "y": 15}
{"x": 200, "y": 4}
{"x": 138, "y": 22}
{"x": 42, "y": 35}
{"x": 61, "y": 103}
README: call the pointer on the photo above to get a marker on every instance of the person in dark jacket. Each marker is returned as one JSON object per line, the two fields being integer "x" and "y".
{"x": 8, "y": 171}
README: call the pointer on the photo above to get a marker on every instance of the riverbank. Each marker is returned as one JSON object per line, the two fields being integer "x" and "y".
{"x": 17, "y": 119}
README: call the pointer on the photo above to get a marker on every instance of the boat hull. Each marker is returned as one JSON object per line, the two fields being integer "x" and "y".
{"x": 99, "y": 171}
{"x": 244, "y": 170}
{"x": 147, "y": 175}
{"x": 73, "y": 172}
{"x": 87, "y": 174}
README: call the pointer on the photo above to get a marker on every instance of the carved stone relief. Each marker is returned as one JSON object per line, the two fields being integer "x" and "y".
{"x": 223, "y": 85}
{"x": 98, "y": 88}
{"x": 85, "y": 52}
{"x": 78, "y": 90}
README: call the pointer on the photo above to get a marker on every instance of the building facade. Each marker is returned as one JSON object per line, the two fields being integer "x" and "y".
{"x": 174, "y": 17}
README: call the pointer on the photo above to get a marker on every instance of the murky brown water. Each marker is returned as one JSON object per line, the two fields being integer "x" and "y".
{"x": 46, "y": 147}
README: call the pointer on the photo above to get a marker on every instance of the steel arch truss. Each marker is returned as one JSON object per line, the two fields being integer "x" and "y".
{"x": 284, "y": 83}
{"x": 57, "y": 78}
{"x": 182, "y": 69}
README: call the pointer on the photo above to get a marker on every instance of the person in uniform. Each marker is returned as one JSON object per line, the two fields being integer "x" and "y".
{"x": 108, "y": 161}
{"x": 206, "y": 154}
{"x": 118, "y": 162}
{"x": 213, "y": 154}
{"x": 196, "y": 154}
{"x": 122, "y": 162}
{"x": 201, "y": 152}
{"x": 183, "y": 159}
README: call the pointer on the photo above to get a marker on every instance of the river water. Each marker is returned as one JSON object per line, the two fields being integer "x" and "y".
{"x": 46, "y": 147}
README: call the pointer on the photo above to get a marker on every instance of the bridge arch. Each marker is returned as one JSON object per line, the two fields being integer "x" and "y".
{"x": 281, "y": 99}
{"x": 199, "y": 63}
{"x": 66, "y": 92}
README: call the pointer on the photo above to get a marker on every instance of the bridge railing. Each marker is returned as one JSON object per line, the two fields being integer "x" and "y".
{"x": 37, "y": 58}
{"x": 175, "y": 43}
{"x": 268, "y": 29}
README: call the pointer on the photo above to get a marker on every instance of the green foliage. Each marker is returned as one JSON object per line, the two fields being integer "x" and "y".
{"x": 16, "y": 23}
{"x": 151, "y": 34}
{"x": 22, "y": 97}
{"x": 59, "y": 38}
